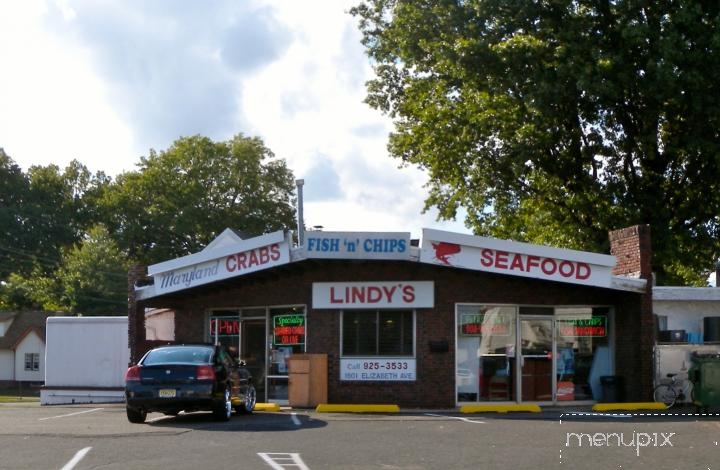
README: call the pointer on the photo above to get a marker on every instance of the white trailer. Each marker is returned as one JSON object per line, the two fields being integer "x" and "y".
{"x": 85, "y": 360}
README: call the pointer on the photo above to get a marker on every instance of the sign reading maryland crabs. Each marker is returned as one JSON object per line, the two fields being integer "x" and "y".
{"x": 516, "y": 258}
{"x": 210, "y": 265}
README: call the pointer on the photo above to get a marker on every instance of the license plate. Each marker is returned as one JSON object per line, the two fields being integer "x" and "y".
{"x": 166, "y": 393}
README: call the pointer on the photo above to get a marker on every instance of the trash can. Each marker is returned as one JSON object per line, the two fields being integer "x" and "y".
{"x": 704, "y": 373}
{"x": 611, "y": 387}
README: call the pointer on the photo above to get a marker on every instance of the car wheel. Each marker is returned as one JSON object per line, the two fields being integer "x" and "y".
{"x": 249, "y": 400}
{"x": 223, "y": 409}
{"x": 136, "y": 415}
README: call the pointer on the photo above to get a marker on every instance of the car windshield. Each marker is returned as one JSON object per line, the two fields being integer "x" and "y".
{"x": 178, "y": 355}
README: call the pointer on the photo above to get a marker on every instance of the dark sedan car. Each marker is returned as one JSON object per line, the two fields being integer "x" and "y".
{"x": 188, "y": 377}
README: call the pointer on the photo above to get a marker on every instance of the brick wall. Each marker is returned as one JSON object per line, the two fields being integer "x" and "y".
{"x": 635, "y": 323}
{"x": 136, "y": 321}
{"x": 632, "y": 249}
{"x": 435, "y": 384}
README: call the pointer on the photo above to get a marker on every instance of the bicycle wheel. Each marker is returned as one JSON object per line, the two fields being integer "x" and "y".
{"x": 664, "y": 393}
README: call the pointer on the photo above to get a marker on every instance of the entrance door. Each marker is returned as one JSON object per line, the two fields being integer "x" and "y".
{"x": 536, "y": 353}
{"x": 252, "y": 351}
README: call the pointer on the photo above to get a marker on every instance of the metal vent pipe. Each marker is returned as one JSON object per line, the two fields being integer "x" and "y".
{"x": 300, "y": 223}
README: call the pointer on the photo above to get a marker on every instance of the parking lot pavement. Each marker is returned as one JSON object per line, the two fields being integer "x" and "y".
{"x": 37, "y": 436}
{"x": 87, "y": 419}
{"x": 587, "y": 413}
{"x": 109, "y": 419}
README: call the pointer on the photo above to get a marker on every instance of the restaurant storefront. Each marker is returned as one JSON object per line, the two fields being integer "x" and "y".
{"x": 448, "y": 320}
{"x": 265, "y": 338}
{"x": 532, "y": 354}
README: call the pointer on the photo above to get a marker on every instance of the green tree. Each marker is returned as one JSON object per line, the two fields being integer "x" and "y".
{"x": 14, "y": 188}
{"x": 91, "y": 280}
{"x": 183, "y": 197}
{"x": 556, "y": 121}
{"x": 93, "y": 276}
{"x": 42, "y": 211}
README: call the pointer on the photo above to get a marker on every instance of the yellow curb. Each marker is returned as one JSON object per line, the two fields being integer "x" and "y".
{"x": 500, "y": 408}
{"x": 629, "y": 406}
{"x": 266, "y": 407}
{"x": 339, "y": 408}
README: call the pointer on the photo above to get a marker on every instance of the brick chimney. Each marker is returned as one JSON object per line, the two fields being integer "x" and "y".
{"x": 632, "y": 249}
{"x": 634, "y": 322}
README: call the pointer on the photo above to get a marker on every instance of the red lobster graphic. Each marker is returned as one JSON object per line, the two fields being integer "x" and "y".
{"x": 444, "y": 250}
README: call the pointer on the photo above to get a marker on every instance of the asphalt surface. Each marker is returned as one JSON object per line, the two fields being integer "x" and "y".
{"x": 91, "y": 436}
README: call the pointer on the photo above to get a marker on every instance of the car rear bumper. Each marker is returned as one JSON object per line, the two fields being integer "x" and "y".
{"x": 186, "y": 397}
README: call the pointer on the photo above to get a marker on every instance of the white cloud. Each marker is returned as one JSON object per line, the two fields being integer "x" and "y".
{"x": 104, "y": 81}
{"x": 53, "y": 107}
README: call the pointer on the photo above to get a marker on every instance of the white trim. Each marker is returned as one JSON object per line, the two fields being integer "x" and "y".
{"x": 686, "y": 293}
{"x": 597, "y": 266}
{"x": 630, "y": 284}
{"x": 213, "y": 254}
{"x": 227, "y": 237}
{"x": 516, "y": 259}
{"x": 518, "y": 247}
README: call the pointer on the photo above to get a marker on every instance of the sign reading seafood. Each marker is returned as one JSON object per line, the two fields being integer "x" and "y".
{"x": 516, "y": 258}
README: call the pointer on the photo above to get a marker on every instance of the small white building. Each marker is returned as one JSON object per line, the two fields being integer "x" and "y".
{"x": 22, "y": 347}
{"x": 688, "y": 320}
{"x": 687, "y": 309}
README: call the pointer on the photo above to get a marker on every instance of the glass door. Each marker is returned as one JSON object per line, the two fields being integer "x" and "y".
{"x": 252, "y": 351}
{"x": 536, "y": 359}
{"x": 286, "y": 337}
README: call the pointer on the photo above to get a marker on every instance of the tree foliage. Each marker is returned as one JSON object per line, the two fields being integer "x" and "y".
{"x": 67, "y": 237}
{"x": 91, "y": 279}
{"x": 93, "y": 276}
{"x": 183, "y": 197}
{"x": 42, "y": 211}
{"x": 556, "y": 121}
{"x": 13, "y": 190}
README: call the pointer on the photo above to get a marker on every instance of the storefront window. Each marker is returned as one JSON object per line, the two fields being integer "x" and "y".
{"x": 528, "y": 353}
{"x": 377, "y": 333}
{"x": 486, "y": 351}
{"x": 583, "y": 353}
{"x": 287, "y": 338}
{"x": 264, "y": 338}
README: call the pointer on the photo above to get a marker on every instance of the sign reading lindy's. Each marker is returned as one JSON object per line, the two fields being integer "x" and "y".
{"x": 221, "y": 263}
{"x": 371, "y": 295}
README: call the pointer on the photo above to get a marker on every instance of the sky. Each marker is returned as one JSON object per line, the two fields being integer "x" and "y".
{"x": 105, "y": 81}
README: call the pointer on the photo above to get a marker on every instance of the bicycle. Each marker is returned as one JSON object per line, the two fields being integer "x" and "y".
{"x": 672, "y": 391}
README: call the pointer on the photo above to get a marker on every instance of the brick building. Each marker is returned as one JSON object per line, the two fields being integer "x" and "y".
{"x": 446, "y": 320}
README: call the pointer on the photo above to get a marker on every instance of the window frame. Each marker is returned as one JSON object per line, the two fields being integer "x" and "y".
{"x": 32, "y": 362}
{"x": 378, "y": 339}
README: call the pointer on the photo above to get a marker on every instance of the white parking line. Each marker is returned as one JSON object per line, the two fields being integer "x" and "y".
{"x": 75, "y": 460}
{"x": 295, "y": 419}
{"x": 280, "y": 461}
{"x": 70, "y": 414}
{"x": 459, "y": 418}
